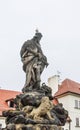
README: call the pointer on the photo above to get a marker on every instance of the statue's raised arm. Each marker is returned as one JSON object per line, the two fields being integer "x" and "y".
{"x": 34, "y": 62}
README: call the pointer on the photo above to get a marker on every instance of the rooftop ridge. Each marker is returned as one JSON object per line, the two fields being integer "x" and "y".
{"x": 68, "y": 86}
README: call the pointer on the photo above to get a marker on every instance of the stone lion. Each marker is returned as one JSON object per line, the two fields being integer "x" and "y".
{"x": 44, "y": 108}
{"x": 27, "y": 110}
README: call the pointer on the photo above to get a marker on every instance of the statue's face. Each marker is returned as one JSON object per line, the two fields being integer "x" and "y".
{"x": 39, "y": 36}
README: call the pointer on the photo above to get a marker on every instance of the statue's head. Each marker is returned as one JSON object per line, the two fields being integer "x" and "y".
{"x": 38, "y": 35}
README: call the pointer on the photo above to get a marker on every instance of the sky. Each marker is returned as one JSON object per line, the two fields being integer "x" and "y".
{"x": 59, "y": 23}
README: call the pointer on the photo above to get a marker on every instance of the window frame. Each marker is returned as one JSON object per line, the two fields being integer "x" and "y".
{"x": 76, "y": 104}
{"x": 79, "y": 105}
{"x": 77, "y": 122}
{"x": 0, "y": 126}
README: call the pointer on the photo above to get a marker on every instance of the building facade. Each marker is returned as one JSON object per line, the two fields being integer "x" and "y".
{"x": 68, "y": 93}
{"x": 6, "y": 103}
{"x": 71, "y": 102}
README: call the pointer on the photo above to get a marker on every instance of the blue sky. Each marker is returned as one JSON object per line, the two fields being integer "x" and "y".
{"x": 58, "y": 21}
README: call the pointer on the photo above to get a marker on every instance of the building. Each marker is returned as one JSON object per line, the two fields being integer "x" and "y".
{"x": 6, "y": 103}
{"x": 53, "y": 82}
{"x": 68, "y": 93}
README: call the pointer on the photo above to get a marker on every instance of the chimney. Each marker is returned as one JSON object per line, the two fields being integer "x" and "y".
{"x": 53, "y": 82}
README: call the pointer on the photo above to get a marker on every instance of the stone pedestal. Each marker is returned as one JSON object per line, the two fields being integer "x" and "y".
{"x": 34, "y": 127}
{"x": 35, "y": 111}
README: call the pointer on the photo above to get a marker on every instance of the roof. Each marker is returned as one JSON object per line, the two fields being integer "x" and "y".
{"x": 6, "y": 95}
{"x": 68, "y": 86}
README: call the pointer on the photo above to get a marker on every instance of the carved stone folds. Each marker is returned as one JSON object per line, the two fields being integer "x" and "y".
{"x": 34, "y": 108}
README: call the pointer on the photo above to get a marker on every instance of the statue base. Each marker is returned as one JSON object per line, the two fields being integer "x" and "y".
{"x": 35, "y": 111}
{"x": 33, "y": 127}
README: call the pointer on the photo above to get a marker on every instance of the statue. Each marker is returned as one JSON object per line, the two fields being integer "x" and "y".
{"x": 34, "y": 62}
{"x": 34, "y": 108}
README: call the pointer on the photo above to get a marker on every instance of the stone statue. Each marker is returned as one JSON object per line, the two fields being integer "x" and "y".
{"x": 33, "y": 61}
{"x": 44, "y": 108}
{"x": 34, "y": 108}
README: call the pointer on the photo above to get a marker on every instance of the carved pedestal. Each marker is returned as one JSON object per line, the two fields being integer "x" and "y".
{"x": 33, "y": 127}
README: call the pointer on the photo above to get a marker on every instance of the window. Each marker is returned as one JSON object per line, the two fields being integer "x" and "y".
{"x": 0, "y": 126}
{"x": 10, "y": 103}
{"x": 79, "y": 104}
{"x": 76, "y": 104}
{"x": 77, "y": 121}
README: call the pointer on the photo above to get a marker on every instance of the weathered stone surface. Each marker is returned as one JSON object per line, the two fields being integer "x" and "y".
{"x": 34, "y": 62}
{"x": 32, "y": 127}
{"x": 34, "y": 108}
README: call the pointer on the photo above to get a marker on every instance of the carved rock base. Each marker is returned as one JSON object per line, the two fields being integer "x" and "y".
{"x": 33, "y": 127}
{"x": 37, "y": 127}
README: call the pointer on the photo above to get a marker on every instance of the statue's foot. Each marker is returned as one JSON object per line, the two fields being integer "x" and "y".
{"x": 26, "y": 88}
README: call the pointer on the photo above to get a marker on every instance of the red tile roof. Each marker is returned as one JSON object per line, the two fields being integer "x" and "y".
{"x": 68, "y": 86}
{"x": 6, "y": 95}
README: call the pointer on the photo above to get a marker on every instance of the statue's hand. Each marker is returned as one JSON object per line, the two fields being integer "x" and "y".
{"x": 47, "y": 65}
{"x": 44, "y": 59}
